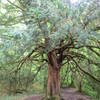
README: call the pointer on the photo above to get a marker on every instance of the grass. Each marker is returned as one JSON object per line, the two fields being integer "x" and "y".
{"x": 12, "y": 97}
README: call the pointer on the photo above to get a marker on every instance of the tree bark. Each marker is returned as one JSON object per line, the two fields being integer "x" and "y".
{"x": 53, "y": 86}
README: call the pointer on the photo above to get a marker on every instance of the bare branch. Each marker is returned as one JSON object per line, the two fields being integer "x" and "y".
{"x": 98, "y": 54}
{"x": 15, "y": 5}
{"x": 82, "y": 56}
{"x": 38, "y": 70}
{"x": 21, "y": 62}
{"x": 85, "y": 72}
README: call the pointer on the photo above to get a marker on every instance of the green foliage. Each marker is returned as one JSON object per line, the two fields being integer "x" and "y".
{"x": 43, "y": 24}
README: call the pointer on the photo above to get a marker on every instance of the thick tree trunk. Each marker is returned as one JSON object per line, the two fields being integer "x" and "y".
{"x": 53, "y": 86}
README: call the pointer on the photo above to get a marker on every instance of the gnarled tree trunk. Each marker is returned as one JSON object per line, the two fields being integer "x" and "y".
{"x": 53, "y": 86}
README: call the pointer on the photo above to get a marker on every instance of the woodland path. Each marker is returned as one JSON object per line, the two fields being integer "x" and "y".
{"x": 67, "y": 94}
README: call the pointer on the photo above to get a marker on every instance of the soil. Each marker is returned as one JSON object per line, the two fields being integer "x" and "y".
{"x": 67, "y": 94}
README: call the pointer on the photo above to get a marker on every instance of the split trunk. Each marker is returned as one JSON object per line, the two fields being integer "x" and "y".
{"x": 53, "y": 86}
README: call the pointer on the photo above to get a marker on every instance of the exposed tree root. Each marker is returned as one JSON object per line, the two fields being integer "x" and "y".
{"x": 52, "y": 98}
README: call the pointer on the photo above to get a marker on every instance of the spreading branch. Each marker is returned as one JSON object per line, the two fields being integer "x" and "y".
{"x": 15, "y": 5}
{"x": 85, "y": 72}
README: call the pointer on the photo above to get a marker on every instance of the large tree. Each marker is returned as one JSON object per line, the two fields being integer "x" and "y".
{"x": 55, "y": 33}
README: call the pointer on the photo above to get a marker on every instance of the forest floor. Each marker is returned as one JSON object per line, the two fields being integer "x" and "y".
{"x": 67, "y": 94}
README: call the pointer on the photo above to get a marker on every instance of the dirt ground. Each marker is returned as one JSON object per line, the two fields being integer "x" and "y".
{"x": 67, "y": 94}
